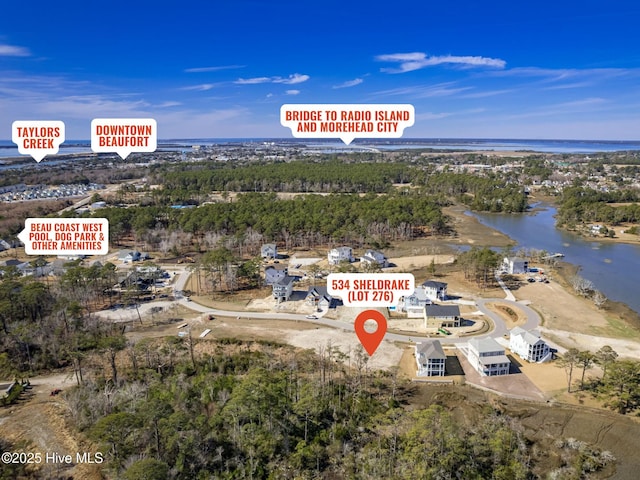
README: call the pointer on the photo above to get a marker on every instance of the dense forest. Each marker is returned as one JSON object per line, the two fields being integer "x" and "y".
{"x": 483, "y": 193}
{"x": 580, "y": 205}
{"x": 265, "y": 411}
{"x": 305, "y": 221}
{"x": 297, "y": 176}
{"x": 490, "y": 194}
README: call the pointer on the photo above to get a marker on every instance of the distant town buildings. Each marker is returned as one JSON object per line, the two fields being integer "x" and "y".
{"x": 21, "y": 192}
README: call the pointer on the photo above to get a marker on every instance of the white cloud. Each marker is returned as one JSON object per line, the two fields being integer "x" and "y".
{"x": 488, "y": 93}
{"x": 432, "y": 116}
{"x": 252, "y": 81}
{"x": 350, "y": 83}
{"x": 418, "y": 60}
{"x": 290, "y": 80}
{"x": 13, "y": 51}
{"x": 292, "y": 92}
{"x": 425, "y": 91}
{"x": 212, "y": 69}
{"x": 168, "y": 104}
{"x": 203, "y": 87}
{"x": 552, "y": 75}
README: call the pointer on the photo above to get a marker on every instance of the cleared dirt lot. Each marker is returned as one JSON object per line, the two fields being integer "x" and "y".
{"x": 37, "y": 423}
{"x": 572, "y": 321}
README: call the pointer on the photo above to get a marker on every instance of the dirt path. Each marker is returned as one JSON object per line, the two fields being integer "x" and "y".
{"x": 37, "y": 424}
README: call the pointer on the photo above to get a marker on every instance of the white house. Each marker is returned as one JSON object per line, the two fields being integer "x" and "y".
{"x": 340, "y": 254}
{"x": 430, "y": 358}
{"x": 413, "y": 305}
{"x": 487, "y": 357}
{"x": 374, "y": 257}
{"x": 528, "y": 345}
{"x": 515, "y": 265}
{"x": 269, "y": 250}
{"x": 435, "y": 290}
{"x": 283, "y": 288}
{"x": 128, "y": 256}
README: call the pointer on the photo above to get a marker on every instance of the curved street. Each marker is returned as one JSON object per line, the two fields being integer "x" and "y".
{"x": 498, "y": 327}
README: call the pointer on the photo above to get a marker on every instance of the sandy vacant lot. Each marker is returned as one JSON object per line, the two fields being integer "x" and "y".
{"x": 408, "y": 264}
{"x": 299, "y": 334}
{"x": 571, "y": 321}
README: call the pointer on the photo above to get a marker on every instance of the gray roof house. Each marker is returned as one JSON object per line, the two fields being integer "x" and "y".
{"x": 487, "y": 357}
{"x": 318, "y": 297}
{"x": 283, "y": 288}
{"x": 442, "y": 316}
{"x": 430, "y": 358}
{"x": 275, "y": 273}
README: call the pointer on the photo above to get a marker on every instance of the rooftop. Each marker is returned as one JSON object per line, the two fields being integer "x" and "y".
{"x": 431, "y": 349}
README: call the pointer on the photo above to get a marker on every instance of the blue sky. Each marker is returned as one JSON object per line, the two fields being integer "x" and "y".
{"x": 223, "y": 68}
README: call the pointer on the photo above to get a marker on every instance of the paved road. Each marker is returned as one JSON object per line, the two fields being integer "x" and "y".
{"x": 499, "y": 328}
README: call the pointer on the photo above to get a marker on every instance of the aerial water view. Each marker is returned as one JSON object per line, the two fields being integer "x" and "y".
{"x": 346, "y": 240}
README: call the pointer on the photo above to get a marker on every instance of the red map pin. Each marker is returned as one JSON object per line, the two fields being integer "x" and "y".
{"x": 370, "y": 341}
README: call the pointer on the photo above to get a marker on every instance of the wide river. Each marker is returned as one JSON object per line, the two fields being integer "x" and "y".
{"x": 614, "y": 268}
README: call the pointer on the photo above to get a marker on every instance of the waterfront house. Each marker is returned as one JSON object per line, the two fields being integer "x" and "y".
{"x": 515, "y": 265}
{"x": 528, "y": 345}
{"x": 430, "y": 358}
{"x": 487, "y": 357}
